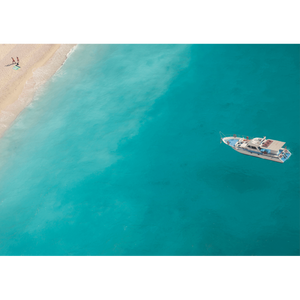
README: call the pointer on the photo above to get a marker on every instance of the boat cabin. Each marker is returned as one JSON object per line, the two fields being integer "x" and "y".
{"x": 262, "y": 145}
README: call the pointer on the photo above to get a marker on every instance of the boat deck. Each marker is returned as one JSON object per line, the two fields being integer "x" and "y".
{"x": 285, "y": 156}
{"x": 232, "y": 142}
{"x": 267, "y": 143}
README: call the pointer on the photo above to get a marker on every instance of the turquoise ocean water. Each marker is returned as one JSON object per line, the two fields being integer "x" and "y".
{"x": 120, "y": 154}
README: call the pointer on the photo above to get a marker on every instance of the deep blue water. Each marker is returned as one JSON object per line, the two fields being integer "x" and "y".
{"x": 119, "y": 154}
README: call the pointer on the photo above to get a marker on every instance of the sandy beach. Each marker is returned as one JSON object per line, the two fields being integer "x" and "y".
{"x": 17, "y": 87}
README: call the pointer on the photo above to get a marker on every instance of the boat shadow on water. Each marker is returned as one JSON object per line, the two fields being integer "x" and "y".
{"x": 236, "y": 178}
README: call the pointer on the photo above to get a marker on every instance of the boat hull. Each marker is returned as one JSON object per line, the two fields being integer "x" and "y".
{"x": 258, "y": 155}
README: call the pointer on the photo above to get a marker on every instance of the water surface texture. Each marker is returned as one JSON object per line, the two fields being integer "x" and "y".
{"x": 120, "y": 154}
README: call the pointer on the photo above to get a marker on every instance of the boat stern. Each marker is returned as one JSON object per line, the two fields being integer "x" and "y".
{"x": 284, "y": 154}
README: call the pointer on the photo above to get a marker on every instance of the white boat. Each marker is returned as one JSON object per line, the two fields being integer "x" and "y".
{"x": 259, "y": 147}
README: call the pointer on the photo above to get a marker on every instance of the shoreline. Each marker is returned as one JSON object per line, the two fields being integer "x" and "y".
{"x": 18, "y": 87}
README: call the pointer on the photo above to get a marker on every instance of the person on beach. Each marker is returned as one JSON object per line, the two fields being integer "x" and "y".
{"x": 13, "y": 61}
{"x": 17, "y": 60}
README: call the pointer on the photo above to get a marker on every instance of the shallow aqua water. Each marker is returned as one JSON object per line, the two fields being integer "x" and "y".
{"x": 119, "y": 154}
